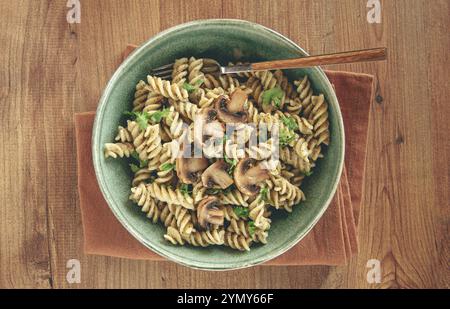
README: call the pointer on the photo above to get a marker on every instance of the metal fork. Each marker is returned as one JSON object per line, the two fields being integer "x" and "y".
{"x": 211, "y": 66}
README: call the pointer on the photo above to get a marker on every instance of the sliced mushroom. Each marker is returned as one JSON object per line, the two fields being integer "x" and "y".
{"x": 189, "y": 169}
{"x": 206, "y": 125}
{"x": 216, "y": 176}
{"x": 208, "y": 212}
{"x": 248, "y": 174}
{"x": 231, "y": 110}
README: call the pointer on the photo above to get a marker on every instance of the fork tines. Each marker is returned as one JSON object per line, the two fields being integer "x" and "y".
{"x": 164, "y": 72}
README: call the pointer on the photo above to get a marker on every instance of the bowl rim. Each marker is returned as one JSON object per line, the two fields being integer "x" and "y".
{"x": 122, "y": 218}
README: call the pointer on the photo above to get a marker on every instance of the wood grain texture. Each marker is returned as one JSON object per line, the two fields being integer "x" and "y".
{"x": 50, "y": 69}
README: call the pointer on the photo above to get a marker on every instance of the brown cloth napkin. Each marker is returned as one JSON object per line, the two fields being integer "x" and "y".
{"x": 332, "y": 241}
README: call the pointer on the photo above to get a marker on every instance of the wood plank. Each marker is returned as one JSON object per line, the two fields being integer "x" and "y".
{"x": 24, "y": 255}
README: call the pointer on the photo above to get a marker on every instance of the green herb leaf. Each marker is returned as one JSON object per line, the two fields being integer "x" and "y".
{"x": 135, "y": 155}
{"x": 129, "y": 114}
{"x": 308, "y": 173}
{"x": 264, "y": 193}
{"x": 251, "y": 228}
{"x": 140, "y": 117}
{"x": 199, "y": 82}
{"x": 137, "y": 161}
{"x": 134, "y": 167}
{"x": 167, "y": 167}
{"x": 213, "y": 191}
{"x": 241, "y": 212}
{"x": 231, "y": 162}
{"x": 277, "y": 102}
{"x": 224, "y": 139}
{"x": 286, "y": 137}
{"x": 185, "y": 189}
{"x": 273, "y": 95}
{"x": 289, "y": 122}
{"x": 189, "y": 88}
{"x": 157, "y": 116}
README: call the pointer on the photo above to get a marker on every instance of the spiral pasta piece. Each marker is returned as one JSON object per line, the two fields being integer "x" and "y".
{"x": 257, "y": 210}
{"x": 183, "y": 219}
{"x": 142, "y": 175}
{"x": 284, "y": 194}
{"x": 267, "y": 79}
{"x": 233, "y": 197}
{"x": 226, "y": 82}
{"x": 174, "y": 123}
{"x": 195, "y": 75}
{"x": 115, "y": 150}
{"x": 186, "y": 109}
{"x": 208, "y": 96}
{"x": 301, "y": 148}
{"x": 198, "y": 192}
{"x": 229, "y": 212}
{"x": 166, "y": 216}
{"x": 206, "y": 238}
{"x": 166, "y": 157}
{"x": 305, "y": 93}
{"x": 169, "y": 195}
{"x": 180, "y": 71}
{"x": 152, "y": 210}
{"x": 293, "y": 106}
{"x": 147, "y": 143}
{"x": 174, "y": 236}
{"x": 319, "y": 119}
{"x": 237, "y": 242}
{"x": 123, "y": 135}
{"x": 145, "y": 99}
{"x": 146, "y": 202}
{"x": 167, "y": 89}
{"x": 242, "y": 227}
{"x": 294, "y": 175}
{"x": 289, "y": 156}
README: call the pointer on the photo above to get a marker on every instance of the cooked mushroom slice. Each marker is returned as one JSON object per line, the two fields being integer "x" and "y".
{"x": 189, "y": 169}
{"x": 208, "y": 212}
{"x": 248, "y": 174}
{"x": 207, "y": 125}
{"x": 216, "y": 176}
{"x": 231, "y": 110}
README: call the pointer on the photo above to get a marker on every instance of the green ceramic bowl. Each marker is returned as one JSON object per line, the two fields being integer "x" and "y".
{"x": 225, "y": 40}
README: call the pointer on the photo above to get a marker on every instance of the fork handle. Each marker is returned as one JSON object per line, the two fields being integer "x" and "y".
{"x": 374, "y": 54}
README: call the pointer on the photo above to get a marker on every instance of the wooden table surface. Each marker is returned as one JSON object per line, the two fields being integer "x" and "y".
{"x": 50, "y": 69}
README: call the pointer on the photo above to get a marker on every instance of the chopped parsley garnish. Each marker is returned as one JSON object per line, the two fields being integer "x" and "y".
{"x": 167, "y": 167}
{"x": 241, "y": 212}
{"x": 264, "y": 193}
{"x": 140, "y": 117}
{"x": 134, "y": 167}
{"x": 136, "y": 162}
{"x": 308, "y": 173}
{"x": 231, "y": 162}
{"x": 273, "y": 95}
{"x": 286, "y": 137}
{"x": 157, "y": 116}
{"x": 251, "y": 228}
{"x": 289, "y": 122}
{"x": 191, "y": 88}
{"x": 213, "y": 191}
{"x": 185, "y": 189}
